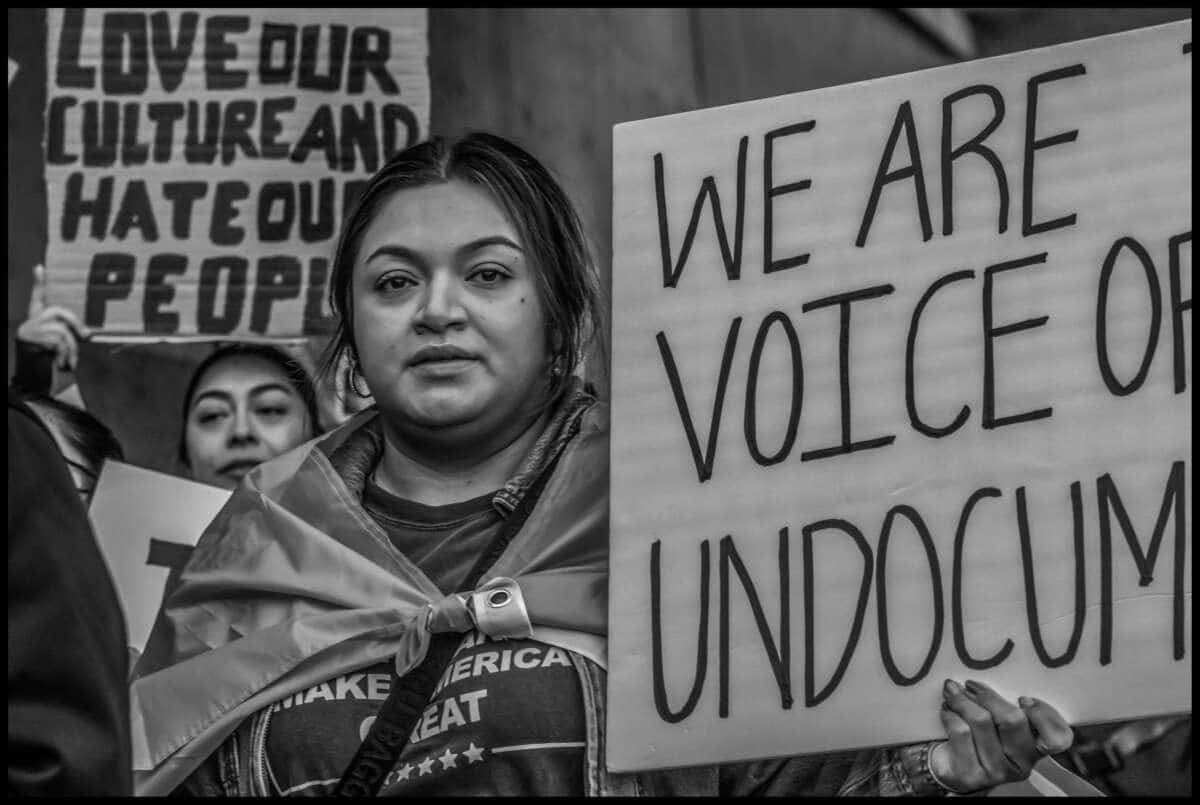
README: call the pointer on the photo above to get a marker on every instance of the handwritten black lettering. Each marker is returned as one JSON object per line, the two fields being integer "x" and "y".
{"x": 656, "y": 644}
{"x": 935, "y": 577}
{"x": 778, "y": 654}
{"x": 1033, "y": 144}
{"x": 957, "y": 587}
{"x": 843, "y": 301}
{"x": 813, "y": 697}
{"x": 1114, "y": 385}
{"x": 671, "y": 270}
{"x": 903, "y": 124}
{"x": 974, "y": 145}
{"x": 704, "y": 463}
{"x": 991, "y": 332}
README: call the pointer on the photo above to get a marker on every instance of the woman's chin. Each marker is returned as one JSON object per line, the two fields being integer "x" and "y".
{"x": 445, "y": 419}
{"x": 441, "y": 411}
{"x": 223, "y": 481}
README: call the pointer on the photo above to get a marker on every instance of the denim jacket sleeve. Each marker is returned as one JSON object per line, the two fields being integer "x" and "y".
{"x": 226, "y": 772}
{"x": 890, "y": 772}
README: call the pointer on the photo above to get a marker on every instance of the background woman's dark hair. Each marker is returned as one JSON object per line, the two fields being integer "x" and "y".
{"x": 290, "y": 367}
{"x": 545, "y": 219}
{"x": 88, "y": 435}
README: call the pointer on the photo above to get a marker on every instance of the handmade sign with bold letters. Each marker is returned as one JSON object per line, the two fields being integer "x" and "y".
{"x": 902, "y": 393}
{"x": 146, "y": 524}
{"x": 199, "y": 162}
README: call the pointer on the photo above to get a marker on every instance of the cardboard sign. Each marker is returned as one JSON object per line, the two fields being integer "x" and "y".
{"x": 902, "y": 393}
{"x": 146, "y": 523}
{"x": 199, "y": 162}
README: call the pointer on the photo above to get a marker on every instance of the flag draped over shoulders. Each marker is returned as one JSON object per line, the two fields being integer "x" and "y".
{"x": 293, "y": 583}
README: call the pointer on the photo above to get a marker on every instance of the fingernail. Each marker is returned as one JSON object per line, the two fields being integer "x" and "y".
{"x": 972, "y": 686}
{"x": 1025, "y": 701}
{"x": 951, "y": 688}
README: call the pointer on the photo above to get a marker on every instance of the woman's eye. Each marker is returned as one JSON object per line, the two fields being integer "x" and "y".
{"x": 394, "y": 282}
{"x": 488, "y": 275}
{"x": 209, "y": 417}
{"x": 272, "y": 412}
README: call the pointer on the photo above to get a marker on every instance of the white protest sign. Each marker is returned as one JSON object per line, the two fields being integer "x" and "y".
{"x": 199, "y": 162}
{"x": 146, "y": 523}
{"x": 901, "y": 393}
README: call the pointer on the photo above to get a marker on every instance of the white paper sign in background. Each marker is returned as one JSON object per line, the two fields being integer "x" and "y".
{"x": 902, "y": 392}
{"x": 145, "y": 523}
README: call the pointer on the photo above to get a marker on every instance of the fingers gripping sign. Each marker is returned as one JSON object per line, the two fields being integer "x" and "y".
{"x": 52, "y": 327}
{"x": 992, "y": 740}
{"x": 1052, "y": 732}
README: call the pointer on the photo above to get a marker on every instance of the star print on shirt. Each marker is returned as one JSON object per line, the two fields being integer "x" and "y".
{"x": 426, "y": 766}
{"x": 474, "y": 753}
{"x": 404, "y": 772}
{"x": 449, "y": 760}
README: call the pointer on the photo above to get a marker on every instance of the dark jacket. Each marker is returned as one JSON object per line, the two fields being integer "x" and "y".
{"x": 68, "y": 702}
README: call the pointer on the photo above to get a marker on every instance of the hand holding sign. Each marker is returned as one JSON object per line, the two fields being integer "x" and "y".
{"x": 52, "y": 327}
{"x": 993, "y": 741}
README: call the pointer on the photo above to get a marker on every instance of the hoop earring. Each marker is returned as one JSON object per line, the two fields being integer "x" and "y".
{"x": 556, "y": 367}
{"x": 352, "y": 381}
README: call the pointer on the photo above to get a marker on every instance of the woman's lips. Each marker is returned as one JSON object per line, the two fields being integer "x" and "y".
{"x": 236, "y": 469}
{"x": 442, "y": 367}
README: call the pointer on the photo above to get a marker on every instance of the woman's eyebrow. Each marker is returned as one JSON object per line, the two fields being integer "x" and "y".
{"x": 265, "y": 387}
{"x": 223, "y": 396}
{"x": 396, "y": 250}
{"x": 227, "y": 398}
{"x": 418, "y": 259}
{"x": 483, "y": 243}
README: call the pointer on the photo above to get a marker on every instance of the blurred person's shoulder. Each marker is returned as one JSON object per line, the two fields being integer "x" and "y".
{"x": 21, "y": 417}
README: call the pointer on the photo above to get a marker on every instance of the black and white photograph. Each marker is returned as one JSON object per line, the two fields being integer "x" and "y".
{"x": 600, "y": 402}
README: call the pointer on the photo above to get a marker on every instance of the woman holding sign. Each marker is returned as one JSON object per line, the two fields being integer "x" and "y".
{"x": 245, "y": 402}
{"x": 416, "y": 602}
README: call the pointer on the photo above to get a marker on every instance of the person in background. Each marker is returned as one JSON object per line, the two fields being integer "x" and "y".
{"x": 68, "y": 704}
{"x": 245, "y": 404}
{"x": 470, "y": 505}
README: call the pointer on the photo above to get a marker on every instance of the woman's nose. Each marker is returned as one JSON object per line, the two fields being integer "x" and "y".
{"x": 242, "y": 428}
{"x": 441, "y": 305}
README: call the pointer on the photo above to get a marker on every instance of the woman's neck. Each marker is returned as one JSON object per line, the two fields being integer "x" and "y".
{"x": 437, "y": 472}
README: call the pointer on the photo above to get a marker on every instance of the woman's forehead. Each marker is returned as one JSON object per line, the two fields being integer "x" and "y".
{"x": 437, "y": 216}
{"x": 242, "y": 373}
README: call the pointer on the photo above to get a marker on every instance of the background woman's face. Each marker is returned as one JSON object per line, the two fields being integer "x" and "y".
{"x": 448, "y": 324}
{"x": 244, "y": 411}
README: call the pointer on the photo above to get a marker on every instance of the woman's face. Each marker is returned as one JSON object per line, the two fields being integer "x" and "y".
{"x": 244, "y": 411}
{"x": 448, "y": 325}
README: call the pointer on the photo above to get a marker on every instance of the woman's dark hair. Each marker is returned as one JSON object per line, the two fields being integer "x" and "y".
{"x": 545, "y": 219}
{"x": 290, "y": 367}
{"x": 88, "y": 435}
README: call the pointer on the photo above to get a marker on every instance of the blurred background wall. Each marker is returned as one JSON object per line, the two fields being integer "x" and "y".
{"x": 556, "y": 80}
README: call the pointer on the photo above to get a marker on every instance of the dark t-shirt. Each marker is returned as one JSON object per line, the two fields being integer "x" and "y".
{"x": 506, "y": 717}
